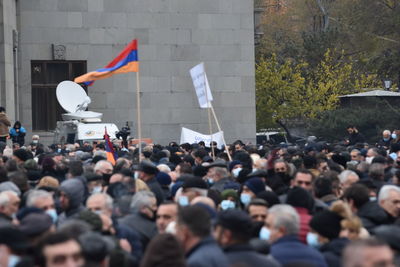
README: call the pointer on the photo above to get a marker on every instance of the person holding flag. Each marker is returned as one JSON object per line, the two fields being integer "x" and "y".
{"x": 111, "y": 154}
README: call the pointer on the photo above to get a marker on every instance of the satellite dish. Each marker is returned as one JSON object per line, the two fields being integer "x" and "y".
{"x": 73, "y": 99}
{"x": 71, "y": 96}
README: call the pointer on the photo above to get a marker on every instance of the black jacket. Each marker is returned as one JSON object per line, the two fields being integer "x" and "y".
{"x": 244, "y": 254}
{"x": 372, "y": 215}
{"x": 332, "y": 251}
{"x": 155, "y": 187}
{"x": 355, "y": 138}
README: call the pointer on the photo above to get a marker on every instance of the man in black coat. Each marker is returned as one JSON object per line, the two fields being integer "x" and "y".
{"x": 142, "y": 218}
{"x": 354, "y": 136}
{"x": 147, "y": 173}
{"x": 370, "y": 213}
{"x": 233, "y": 231}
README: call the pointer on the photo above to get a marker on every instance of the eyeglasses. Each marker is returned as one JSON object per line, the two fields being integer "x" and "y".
{"x": 303, "y": 182}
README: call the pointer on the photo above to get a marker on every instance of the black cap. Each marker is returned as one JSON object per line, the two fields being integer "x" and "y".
{"x": 327, "y": 224}
{"x": 13, "y": 238}
{"x": 148, "y": 167}
{"x": 90, "y": 177}
{"x": 35, "y": 224}
{"x": 194, "y": 182}
{"x": 22, "y": 154}
{"x": 235, "y": 220}
{"x": 218, "y": 163}
{"x": 258, "y": 173}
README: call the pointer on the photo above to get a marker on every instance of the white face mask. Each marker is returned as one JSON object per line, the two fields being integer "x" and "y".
{"x": 171, "y": 228}
{"x": 136, "y": 176}
{"x": 369, "y": 159}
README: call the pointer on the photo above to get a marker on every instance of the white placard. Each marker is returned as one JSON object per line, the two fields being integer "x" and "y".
{"x": 189, "y": 136}
{"x": 200, "y": 83}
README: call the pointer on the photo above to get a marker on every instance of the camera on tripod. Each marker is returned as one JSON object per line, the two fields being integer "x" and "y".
{"x": 124, "y": 133}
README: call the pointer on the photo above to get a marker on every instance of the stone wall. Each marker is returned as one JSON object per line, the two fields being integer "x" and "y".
{"x": 8, "y": 25}
{"x": 174, "y": 35}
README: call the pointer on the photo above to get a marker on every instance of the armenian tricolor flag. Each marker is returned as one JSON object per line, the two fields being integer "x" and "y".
{"x": 111, "y": 155}
{"x": 126, "y": 61}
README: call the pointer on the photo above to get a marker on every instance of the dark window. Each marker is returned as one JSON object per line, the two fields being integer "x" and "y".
{"x": 46, "y": 75}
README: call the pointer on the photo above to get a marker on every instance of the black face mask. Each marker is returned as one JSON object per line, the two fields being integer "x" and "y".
{"x": 106, "y": 233}
{"x": 284, "y": 177}
{"x": 153, "y": 219}
{"x": 106, "y": 178}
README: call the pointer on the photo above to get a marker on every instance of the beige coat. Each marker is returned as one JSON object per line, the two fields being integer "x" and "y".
{"x": 4, "y": 124}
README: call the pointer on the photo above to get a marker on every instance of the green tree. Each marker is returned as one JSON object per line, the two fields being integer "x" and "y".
{"x": 371, "y": 119}
{"x": 288, "y": 90}
{"x": 279, "y": 91}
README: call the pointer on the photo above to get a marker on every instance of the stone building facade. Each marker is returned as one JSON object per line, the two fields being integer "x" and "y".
{"x": 43, "y": 42}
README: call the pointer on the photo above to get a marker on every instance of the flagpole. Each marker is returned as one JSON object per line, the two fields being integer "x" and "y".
{"x": 209, "y": 116}
{"x": 138, "y": 112}
{"x": 219, "y": 129}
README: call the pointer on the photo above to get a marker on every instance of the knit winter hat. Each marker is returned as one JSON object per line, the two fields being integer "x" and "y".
{"x": 327, "y": 224}
{"x": 256, "y": 185}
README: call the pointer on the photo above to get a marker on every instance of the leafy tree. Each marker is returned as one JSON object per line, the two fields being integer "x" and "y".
{"x": 279, "y": 91}
{"x": 371, "y": 119}
{"x": 287, "y": 90}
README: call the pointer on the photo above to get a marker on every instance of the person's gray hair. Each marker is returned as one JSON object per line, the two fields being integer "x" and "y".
{"x": 354, "y": 253}
{"x": 100, "y": 153}
{"x": 100, "y": 164}
{"x": 221, "y": 172}
{"x": 163, "y": 168}
{"x": 287, "y": 217}
{"x": 5, "y": 199}
{"x": 357, "y": 151}
{"x": 167, "y": 153}
{"x": 386, "y": 132}
{"x": 141, "y": 199}
{"x": 385, "y": 191}
{"x": 200, "y": 191}
{"x": 34, "y": 195}
{"x": 376, "y": 171}
{"x": 344, "y": 175}
{"x": 109, "y": 201}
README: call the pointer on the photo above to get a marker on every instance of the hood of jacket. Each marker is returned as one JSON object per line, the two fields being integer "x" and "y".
{"x": 74, "y": 189}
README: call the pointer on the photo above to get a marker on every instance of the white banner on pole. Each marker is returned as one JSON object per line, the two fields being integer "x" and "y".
{"x": 200, "y": 83}
{"x": 189, "y": 136}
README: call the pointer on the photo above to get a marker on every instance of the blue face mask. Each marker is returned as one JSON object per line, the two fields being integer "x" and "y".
{"x": 235, "y": 172}
{"x": 53, "y": 214}
{"x": 183, "y": 201}
{"x": 312, "y": 240}
{"x": 97, "y": 189}
{"x": 210, "y": 181}
{"x": 372, "y": 198}
{"x": 265, "y": 233}
{"x": 394, "y": 136}
{"x": 386, "y": 139}
{"x": 227, "y": 204}
{"x": 13, "y": 260}
{"x": 245, "y": 199}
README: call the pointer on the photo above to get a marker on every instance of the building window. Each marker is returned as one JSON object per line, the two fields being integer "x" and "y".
{"x": 46, "y": 75}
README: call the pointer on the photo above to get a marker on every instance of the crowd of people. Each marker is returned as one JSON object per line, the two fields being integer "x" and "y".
{"x": 192, "y": 205}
